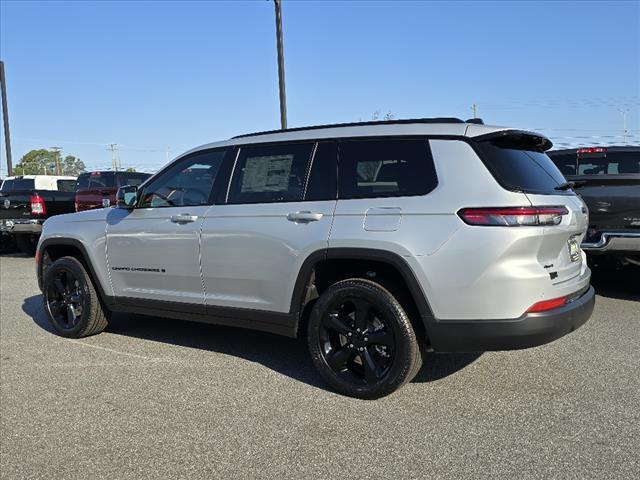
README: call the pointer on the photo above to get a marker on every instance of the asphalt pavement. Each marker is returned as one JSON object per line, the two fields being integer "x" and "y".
{"x": 155, "y": 398}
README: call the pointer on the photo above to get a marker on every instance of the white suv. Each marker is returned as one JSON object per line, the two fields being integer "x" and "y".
{"x": 376, "y": 240}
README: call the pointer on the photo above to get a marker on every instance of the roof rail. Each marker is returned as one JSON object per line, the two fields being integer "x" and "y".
{"x": 358, "y": 124}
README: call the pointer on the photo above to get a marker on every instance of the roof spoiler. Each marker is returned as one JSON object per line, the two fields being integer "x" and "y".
{"x": 522, "y": 137}
{"x": 477, "y": 121}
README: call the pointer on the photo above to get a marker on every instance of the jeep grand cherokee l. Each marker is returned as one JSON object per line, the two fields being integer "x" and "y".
{"x": 376, "y": 241}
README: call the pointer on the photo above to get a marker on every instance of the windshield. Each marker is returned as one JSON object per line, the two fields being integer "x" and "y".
{"x": 517, "y": 167}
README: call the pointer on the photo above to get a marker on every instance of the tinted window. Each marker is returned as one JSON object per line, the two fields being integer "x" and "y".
{"x": 323, "y": 178}
{"x": 270, "y": 173}
{"x": 565, "y": 162}
{"x": 521, "y": 169}
{"x": 188, "y": 182}
{"x": 82, "y": 181}
{"x": 66, "y": 185}
{"x": 385, "y": 168}
{"x": 609, "y": 163}
{"x": 18, "y": 184}
{"x": 132, "y": 179}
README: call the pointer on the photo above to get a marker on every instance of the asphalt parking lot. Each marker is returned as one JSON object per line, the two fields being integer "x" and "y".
{"x": 154, "y": 398}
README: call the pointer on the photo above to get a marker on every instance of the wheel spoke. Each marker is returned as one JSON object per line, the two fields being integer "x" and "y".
{"x": 338, "y": 358}
{"x": 334, "y": 322}
{"x": 382, "y": 337}
{"x": 71, "y": 316}
{"x": 60, "y": 288}
{"x": 362, "y": 314}
{"x": 370, "y": 368}
{"x": 55, "y": 306}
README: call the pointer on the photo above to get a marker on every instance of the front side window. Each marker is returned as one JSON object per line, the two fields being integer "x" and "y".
{"x": 270, "y": 173}
{"x": 188, "y": 182}
{"x": 385, "y": 168}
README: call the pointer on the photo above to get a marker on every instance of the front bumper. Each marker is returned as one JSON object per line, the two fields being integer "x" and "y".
{"x": 21, "y": 225}
{"x": 530, "y": 330}
{"x": 614, "y": 242}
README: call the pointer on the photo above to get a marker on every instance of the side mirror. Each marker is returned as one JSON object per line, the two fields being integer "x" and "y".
{"x": 126, "y": 197}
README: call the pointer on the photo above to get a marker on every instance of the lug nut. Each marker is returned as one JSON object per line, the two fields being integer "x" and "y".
{"x": 349, "y": 334}
{"x": 351, "y": 345}
{"x": 366, "y": 339}
{"x": 361, "y": 349}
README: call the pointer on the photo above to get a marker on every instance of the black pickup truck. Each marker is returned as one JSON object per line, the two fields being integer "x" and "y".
{"x": 608, "y": 180}
{"x": 26, "y": 202}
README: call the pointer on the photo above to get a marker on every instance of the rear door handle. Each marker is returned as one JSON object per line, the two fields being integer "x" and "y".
{"x": 304, "y": 217}
{"x": 183, "y": 218}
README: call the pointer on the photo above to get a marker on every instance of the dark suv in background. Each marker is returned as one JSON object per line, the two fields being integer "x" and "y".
{"x": 608, "y": 180}
{"x": 98, "y": 189}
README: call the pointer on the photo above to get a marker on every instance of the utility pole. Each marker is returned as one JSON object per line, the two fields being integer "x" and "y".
{"x": 115, "y": 159}
{"x": 624, "y": 124}
{"x": 283, "y": 97}
{"x": 474, "y": 107}
{"x": 5, "y": 118}
{"x": 57, "y": 152}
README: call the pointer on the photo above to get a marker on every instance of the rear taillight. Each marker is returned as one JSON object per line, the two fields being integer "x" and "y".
{"x": 513, "y": 216}
{"x": 37, "y": 205}
{"x": 547, "y": 305}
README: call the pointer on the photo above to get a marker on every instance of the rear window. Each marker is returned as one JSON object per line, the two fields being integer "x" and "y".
{"x": 66, "y": 185}
{"x": 96, "y": 180}
{"x": 18, "y": 184}
{"x": 132, "y": 179}
{"x": 609, "y": 163}
{"x": 518, "y": 167}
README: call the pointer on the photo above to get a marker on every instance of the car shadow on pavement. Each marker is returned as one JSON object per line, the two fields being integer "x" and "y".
{"x": 619, "y": 283}
{"x": 285, "y": 355}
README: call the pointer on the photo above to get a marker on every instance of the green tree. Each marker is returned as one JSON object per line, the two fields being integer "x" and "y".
{"x": 41, "y": 161}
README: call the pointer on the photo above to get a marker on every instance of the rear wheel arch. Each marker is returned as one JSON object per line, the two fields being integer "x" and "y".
{"x": 323, "y": 268}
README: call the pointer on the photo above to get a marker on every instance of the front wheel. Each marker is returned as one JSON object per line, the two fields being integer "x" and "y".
{"x": 71, "y": 301}
{"x": 361, "y": 340}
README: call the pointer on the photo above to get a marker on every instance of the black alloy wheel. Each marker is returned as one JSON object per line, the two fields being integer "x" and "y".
{"x": 65, "y": 300}
{"x": 361, "y": 340}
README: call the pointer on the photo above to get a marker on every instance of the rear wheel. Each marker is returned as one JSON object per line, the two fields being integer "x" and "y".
{"x": 362, "y": 341}
{"x": 71, "y": 301}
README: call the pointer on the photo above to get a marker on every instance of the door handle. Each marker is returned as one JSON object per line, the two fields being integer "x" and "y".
{"x": 304, "y": 217}
{"x": 183, "y": 218}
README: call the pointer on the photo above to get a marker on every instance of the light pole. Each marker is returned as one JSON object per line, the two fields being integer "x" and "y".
{"x": 283, "y": 96}
{"x": 624, "y": 124}
{"x": 5, "y": 118}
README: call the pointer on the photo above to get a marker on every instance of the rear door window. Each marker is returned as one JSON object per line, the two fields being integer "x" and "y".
{"x": 385, "y": 168}
{"x": 18, "y": 184}
{"x": 270, "y": 173}
{"x": 517, "y": 166}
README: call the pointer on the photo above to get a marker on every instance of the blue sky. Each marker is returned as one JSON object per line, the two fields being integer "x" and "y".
{"x": 151, "y": 75}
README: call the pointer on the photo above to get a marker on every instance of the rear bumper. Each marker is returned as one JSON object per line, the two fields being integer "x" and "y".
{"x": 614, "y": 242}
{"x": 530, "y": 330}
{"x": 21, "y": 225}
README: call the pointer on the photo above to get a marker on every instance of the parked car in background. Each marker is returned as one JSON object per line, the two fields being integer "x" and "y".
{"x": 27, "y": 201}
{"x": 375, "y": 240}
{"x": 98, "y": 189}
{"x": 608, "y": 180}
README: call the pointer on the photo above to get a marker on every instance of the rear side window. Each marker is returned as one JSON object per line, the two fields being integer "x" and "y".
{"x": 609, "y": 163}
{"x": 66, "y": 185}
{"x": 385, "y": 168}
{"x": 519, "y": 168}
{"x": 270, "y": 173}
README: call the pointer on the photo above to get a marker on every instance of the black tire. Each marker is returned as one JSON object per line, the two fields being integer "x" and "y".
{"x": 71, "y": 301}
{"x": 26, "y": 243}
{"x": 364, "y": 363}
